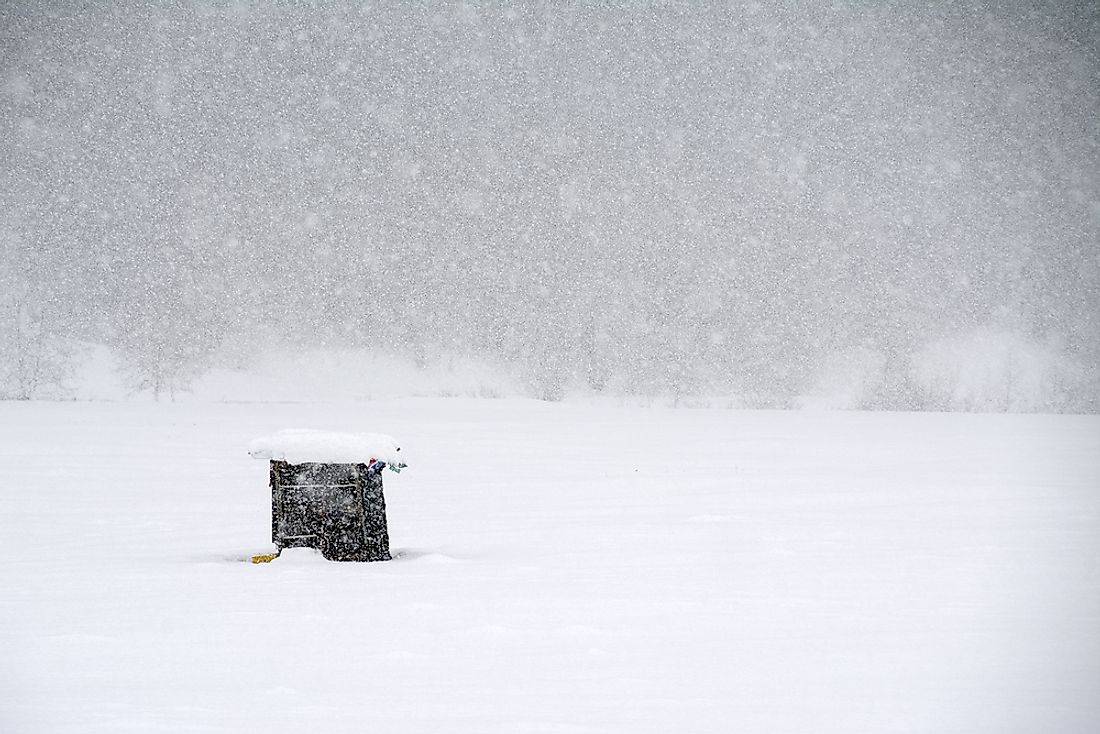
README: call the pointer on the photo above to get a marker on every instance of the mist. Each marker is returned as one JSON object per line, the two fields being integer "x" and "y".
{"x": 870, "y": 205}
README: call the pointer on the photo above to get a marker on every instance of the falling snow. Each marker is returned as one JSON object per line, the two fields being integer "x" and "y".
{"x": 671, "y": 199}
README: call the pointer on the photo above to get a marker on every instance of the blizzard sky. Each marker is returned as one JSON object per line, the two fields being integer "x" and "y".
{"x": 651, "y": 197}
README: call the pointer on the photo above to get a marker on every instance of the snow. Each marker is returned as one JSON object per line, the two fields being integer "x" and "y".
{"x": 299, "y": 445}
{"x": 307, "y": 214}
{"x": 616, "y": 569}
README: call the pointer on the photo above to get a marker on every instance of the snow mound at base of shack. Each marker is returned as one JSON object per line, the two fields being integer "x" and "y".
{"x": 300, "y": 446}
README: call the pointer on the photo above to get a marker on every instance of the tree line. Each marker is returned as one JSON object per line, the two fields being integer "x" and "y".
{"x": 669, "y": 200}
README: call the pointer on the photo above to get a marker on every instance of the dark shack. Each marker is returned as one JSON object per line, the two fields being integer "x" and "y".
{"x": 326, "y": 492}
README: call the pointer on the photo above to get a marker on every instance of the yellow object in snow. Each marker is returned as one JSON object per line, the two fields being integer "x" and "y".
{"x": 265, "y": 557}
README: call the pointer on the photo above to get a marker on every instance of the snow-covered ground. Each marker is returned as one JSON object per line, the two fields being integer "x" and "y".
{"x": 574, "y": 567}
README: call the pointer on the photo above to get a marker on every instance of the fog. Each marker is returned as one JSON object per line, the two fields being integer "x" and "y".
{"x": 898, "y": 203}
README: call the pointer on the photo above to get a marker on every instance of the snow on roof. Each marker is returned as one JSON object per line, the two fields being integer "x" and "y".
{"x": 299, "y": 446}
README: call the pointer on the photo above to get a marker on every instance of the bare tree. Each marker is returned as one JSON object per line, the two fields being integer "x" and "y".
{"x": 36, "y": 361}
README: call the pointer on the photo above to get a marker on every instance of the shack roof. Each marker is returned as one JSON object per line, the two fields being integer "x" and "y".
{"x": 300, "y": 446}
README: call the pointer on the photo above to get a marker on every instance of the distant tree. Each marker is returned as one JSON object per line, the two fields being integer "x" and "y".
{"x": 158, "y": 366}
{"x": 546, "y": 369}
{"x": 170, "y": 331}
{"x": 994, "y": 369}
{"x": 162, "y": 358}
{"x": 35, "y": 359}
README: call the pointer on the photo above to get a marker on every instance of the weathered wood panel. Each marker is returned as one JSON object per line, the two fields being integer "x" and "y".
{"x": 338, "y": 509}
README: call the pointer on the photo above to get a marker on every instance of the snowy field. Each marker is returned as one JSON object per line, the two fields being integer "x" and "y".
{"x": 574, "y": 567}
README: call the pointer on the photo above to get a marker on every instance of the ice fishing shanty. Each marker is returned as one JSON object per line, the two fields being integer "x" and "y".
{"x": 326, "y": 491}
